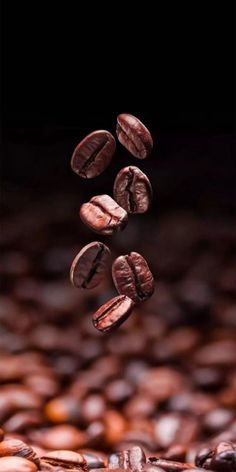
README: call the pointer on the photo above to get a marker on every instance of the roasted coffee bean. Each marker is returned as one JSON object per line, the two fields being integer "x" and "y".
{"x": 94, "y": 460}
{"x": 133, "y": 459}
{"x": 170, "y": 466}
{"x": 16, "y": 464}
{"x": 113, "y": 313}
{"x": 93, "y": 154}
{"x": 132, "y": 190}
{"x": 88, "y": 267}
{"x": 1, "y": 434}
{"x": 224, "y": 461}
{"x": 63, "y": 409}
{"x": 15, "y": 447}
{"x": 103, "y": 215}
{"x": 63, "y": 436}
{"x": 132, "y": 277}
{"x": 134, "y": 135}
{"x": 66, "y": 459}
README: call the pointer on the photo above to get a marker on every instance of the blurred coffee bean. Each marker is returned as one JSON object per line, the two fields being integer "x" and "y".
{"x": 217, "y": 420}
{"x": 172, "y": 428}
{"x": 63, "y": 436}
{"x": 63, "y": 409}
{"x": 16, "y": 464}
{"x": 177, "y": 453}
{"x": 134, "y": 136}
{"x": 161, "y": 383}
{"x": 24, "y": 420}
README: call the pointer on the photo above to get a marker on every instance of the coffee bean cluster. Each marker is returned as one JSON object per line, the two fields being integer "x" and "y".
{"x": 104, "y": 215}
{"x": 157, "y": 395}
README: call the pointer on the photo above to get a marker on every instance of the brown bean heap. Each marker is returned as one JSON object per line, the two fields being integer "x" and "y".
{"x": 164, "y": 383}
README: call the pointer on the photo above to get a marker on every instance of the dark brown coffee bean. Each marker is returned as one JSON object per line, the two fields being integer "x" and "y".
{"x": 64, "y": 436}
{"x": 103, "y": 215}
{"x": 15, "y": 447}
{"x": 89, "y": 265}
{"x": 132, "y": 277}
{"x": 93, "y": 154}
{"x": 65, "y": 459}
{"x": 133, "y": 459}
{"x": 63, "y": 409}
{"x": 132, "y": 190}
{"x": 134, "y": 135}
{"x": 94, "y": 459}
{"x": 224, "y": 461}
{"x": 170, "y": 466}
{"x": 170, "y": 428}
{"x": 113, "y": 313}
{"x": 16, "y": 464}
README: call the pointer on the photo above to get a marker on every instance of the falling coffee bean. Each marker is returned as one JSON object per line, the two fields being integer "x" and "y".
{"x": 89, "y": 265}
{"x": 132, "y": 277}
{"x": 134, "y": 136}
{"x": 93, "y": 154}
{"x": 103, "y": 215}
{"x": 132, "y": 190}
{"x": 113, "y": 313}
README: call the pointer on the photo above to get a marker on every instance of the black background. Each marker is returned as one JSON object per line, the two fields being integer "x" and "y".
{"x": 56, "y": 68}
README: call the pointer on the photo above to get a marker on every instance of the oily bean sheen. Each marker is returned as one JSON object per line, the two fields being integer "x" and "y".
{"x": 103, "y": 215}
{"x": 132, "y": 277}
{"x": 132, "y": 190}
{"x": 89, "y": 265}
{"x": 16, "y": 464}
{"x": 92, "y": 155}
{"x": 66, "y": 459}
{"x": 112, "y": 313}
{"x": 134, "y": 136}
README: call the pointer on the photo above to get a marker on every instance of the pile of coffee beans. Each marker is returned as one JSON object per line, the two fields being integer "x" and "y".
{"x": 157, "y": 395}
{"x": 132, "y": 194}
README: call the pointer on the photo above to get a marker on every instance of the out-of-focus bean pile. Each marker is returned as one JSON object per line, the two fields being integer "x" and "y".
{"x": 164, "y": 381}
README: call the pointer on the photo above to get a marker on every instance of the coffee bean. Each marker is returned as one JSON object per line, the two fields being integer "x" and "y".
{"x": 63, "y": 409}
{"x": 1, "y": 434}
{"x": 63, "y": 436}
{"x": 103, "y": 215}
{"x": 94, "y": 460}
{"x": 170, "y": 466}
{"x": 134, "y": 135}
{"x": 113, "y": 313}
{"x": 133, "y": 459}
{"x": 132, "y": 277}
{"x": 66, "y": 459}
{"x": 15, "y": 447}
{"x": 89, "y": 265}
{"x": 93, "y": 154}
{"x": 224, "y": 461}
{"x": 16, "y": 464}
{"x": 132, "y": 190}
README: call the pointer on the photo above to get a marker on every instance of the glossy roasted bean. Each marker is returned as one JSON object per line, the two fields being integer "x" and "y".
{"x": 132, "y": 277}
{"x": 103, "y": 215}
{"x": 134, "y": 135}
{"x": 132, "y": 190}
{"x": 88, "y": 267}
{"x": 93, "y": 154}
{"x": 113, "y": 313}
{"x": 66, "y": 459}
